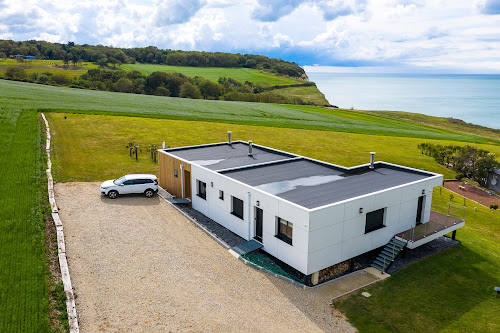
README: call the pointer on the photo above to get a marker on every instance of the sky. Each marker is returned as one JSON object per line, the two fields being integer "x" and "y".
{"x": 416, "y": 36}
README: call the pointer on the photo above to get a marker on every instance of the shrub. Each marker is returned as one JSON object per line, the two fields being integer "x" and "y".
{"x": 15, "y": 72}
{"x": 459, "y": 176}
{"x": 494, "y": 206}
{"x": 60, "y": 79}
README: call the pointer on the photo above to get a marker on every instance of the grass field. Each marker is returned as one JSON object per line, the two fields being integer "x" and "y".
{"x": 449, "y": 292}
{"x": 310, "y": 93}
{"x": 24, "y": 303}
{"x": 60, "y": 99}
{"x": 50, "y": 66}
{"x": 214, "y": 73}
{"x": 92, "y": 147}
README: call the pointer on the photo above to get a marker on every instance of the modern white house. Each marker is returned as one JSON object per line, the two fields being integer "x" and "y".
{"x": 307, "y": 213}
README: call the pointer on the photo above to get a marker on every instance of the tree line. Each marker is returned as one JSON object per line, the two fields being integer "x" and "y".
{"x": 468, "y": 161}
{"x": 101, "y": 55}
{"x": 163, "y": 84}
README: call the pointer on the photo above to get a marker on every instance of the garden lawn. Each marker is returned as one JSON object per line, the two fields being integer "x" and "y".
{"x": 214, "y": 73}
{"x": 61, "y": 99}
{"x": 92, "y": 147}
{"x": 449, "y": 292}
{"x": 24, "y": 303}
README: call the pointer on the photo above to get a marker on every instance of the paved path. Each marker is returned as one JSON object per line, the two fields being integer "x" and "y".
{"x": 138, "y": 265}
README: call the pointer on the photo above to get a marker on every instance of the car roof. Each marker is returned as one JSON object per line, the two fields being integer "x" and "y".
{"x": 139, "y": 176}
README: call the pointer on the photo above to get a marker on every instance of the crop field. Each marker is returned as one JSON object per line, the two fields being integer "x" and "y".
{"x": 449, "y": 292}
{"x": 214, "y": 73}
{"x": 47, "y": 66}
{"x": 61, "y": 99}
{"x": 24, "y": 303}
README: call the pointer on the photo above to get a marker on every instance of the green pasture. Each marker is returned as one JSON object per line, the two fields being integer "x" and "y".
{"x": 214, "y": 73}
{"x": 307, "y": 93}
{"x": 24, "y": 302}
{"x": 451, "y": 291}
{"x": 61, "y": 99}
{"x": 48, "y": 66}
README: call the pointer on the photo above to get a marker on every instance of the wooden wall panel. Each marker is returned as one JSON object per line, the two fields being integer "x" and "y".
{"x": 167, "y": 179}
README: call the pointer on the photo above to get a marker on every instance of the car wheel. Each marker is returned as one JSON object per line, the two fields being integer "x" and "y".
{"x": 149, "y": 193}
{"x": 112, "y": 194}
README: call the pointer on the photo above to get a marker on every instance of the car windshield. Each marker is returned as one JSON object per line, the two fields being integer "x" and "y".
{"x": 119, "y": 180}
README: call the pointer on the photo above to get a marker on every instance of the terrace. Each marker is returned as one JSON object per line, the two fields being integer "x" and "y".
{"x": 438, "y": 225}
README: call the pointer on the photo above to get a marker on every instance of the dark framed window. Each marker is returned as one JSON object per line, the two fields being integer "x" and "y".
{"x": 285, "y": 230}
{"x": 374, "y": 220}
{"x": 202, "y": 189}
{"x": 175, "y": 173}
{"x": 221, "y": 194}
{"x": 237, "y": 207}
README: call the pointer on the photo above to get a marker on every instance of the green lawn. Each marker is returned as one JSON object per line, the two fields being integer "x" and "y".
{"x": 214, "y": 73}
{"x": 92, "y": 147}
{"x": 61, "y": 99}
{"x": 448, "y": 292}
{"x": 50, "y": 66}
{"x": 24, "y": 302}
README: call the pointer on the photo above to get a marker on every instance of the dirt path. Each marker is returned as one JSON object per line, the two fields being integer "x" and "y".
{"x": 472, "y": 192}
{"x": 138, "y": 265}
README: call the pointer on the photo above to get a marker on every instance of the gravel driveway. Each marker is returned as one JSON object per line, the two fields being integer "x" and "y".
{"x": 138, "y": 265}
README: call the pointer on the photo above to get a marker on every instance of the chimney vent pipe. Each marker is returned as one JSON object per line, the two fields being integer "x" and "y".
{"x": 372, "y": 160}
{"x": 229, "y": 137}
{"x": 250, "y": 148}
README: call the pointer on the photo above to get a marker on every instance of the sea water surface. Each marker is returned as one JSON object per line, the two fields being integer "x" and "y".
{"x": 472, "y": 98}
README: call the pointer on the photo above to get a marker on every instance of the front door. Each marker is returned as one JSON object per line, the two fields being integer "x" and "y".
{"x": 258, "y": 224}
{"x": 419, "y": 209}
{"x": 187, "y": 184}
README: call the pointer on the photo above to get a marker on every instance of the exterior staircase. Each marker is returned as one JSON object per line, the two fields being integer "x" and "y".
{"x": 388, "y": 254}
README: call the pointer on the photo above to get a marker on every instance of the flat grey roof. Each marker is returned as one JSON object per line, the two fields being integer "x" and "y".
{"x": 310, "y": 184}
{"x": 224, "y": 156}
{"x": 305, "y": 182}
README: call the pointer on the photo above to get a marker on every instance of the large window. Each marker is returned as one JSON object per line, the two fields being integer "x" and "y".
{"x": 202, "y": 189}
{"x": 285, "y": 230}
{"x": 374, "y": 220}
{"x": 237, "y": 207}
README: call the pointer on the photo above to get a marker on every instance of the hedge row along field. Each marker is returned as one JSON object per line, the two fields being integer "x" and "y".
{"x": 24, "y": 304}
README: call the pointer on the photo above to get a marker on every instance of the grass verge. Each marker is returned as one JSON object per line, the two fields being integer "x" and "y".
{"x": 449, "y": 292}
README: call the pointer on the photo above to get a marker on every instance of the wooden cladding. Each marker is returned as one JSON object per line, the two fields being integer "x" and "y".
{"x": 170, "y": 175}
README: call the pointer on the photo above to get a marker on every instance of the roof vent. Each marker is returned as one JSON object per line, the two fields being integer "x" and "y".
{"x": 229, "y": 137}
{"x": 372, "y": 160}
{"x": 250, "y": 148}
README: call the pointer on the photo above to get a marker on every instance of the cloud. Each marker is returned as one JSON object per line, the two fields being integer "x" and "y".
{"x": 169, "y": 12}
{"x": 273, "y": 10}
{"x": 489, "y": 7}
{"x": 333, "y": 9}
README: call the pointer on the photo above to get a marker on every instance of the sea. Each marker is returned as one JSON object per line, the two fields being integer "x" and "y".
{"x": 473, "y": 98}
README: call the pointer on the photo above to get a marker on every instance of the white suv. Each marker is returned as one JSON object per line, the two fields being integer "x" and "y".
{"x": 147, "y": 184}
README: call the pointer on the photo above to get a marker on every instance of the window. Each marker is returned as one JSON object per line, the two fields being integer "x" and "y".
{"x": 285, "y": 230}
{"x": 221, "y": 194}
{"x": 202, "y": 189}
{"x": 142, "y": 181}
{"x": 175, "y": 173}
{"x": 374, "y": 220}
{"x": 237, "y": 207}
{"x": 128, "y": 182}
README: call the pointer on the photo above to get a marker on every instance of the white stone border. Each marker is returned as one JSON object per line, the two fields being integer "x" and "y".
{"x": 61, "y": 248}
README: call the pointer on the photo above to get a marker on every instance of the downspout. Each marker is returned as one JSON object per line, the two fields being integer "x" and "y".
{"x": 249, "y": 216}
{"x": 182, "y": 182}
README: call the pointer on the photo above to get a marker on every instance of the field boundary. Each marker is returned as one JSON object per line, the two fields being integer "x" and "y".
{"x": 61, "y": 247}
